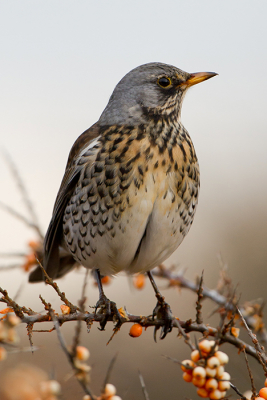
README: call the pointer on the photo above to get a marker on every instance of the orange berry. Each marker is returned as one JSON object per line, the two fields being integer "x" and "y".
{"x": 136, "y": 330}
{"x": 195, "y": 356}
{"x": 82, "y": 353}
{"x": 110, "y": 389}
{"x": 213, "y": 345}
{"x": 30, "y": 261}
{"x": 202, "y": 392}
{"x": 187, "y": 377}
{"x": 198, "y": 382}
{"x": 139, "y": 281}
{"x": 204, "y": 354}
{"x": 199, "y": 372}
{"x": 211, "y": 373}
{"x": 34, "y": 244}
{"x": 187, "y": 365}
{"x": 213, "y": 362}
{"x": 105, "y": 280}
{"x": 263, "y": 393}
{"x": 224, "y": 385}
{"x": 65, "y": 309}
{"x": 215, "y": 395}
{"x": 225, "y": 376}
{"x": 205, "y": 345}
{"x": 265, "y": 383}
{"x": 13, "y": 320}
{"x": 222, "y": 357}
{"x": 50, "y": 388}
{"x": 211, "y": 384}
{"x": 235, "y": 332}
{"x": 219, "y": 371}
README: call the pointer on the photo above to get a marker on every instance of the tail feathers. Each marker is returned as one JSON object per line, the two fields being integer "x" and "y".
{"x": 65, "y": 264}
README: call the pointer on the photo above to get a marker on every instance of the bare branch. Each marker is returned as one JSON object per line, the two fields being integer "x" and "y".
{"x": 146, "y": 397}
{"x": 261, "y": 356}
{"x": 25, "y": 196}
{"x": 62, "y": 295}
{"x": 110, "y": 368}
{"x": 199, "y": 318}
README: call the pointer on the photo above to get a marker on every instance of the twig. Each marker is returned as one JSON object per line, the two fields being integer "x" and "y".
{"x": 254, "y": 392}
{"x": 62, "y": 295}
{"x": 19, "y": 216}
{"x": 238, "y": 392}
{"x": 259, "y": 349}
{"x": 199, "y": 318}
{"x": 185, "y": 335}
{"x": 146, "y": 397}
{"x": 178, "y": 279}
{"x": 110, "y": 368}
{"x": 24, "y": 193}
{"x": 19, "y": 311}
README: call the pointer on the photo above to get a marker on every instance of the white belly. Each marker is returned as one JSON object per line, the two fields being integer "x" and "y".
{"x": 147, "y": 231}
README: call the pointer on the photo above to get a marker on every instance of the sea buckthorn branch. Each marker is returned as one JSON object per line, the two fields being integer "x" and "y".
{"x": 199, "y": 318}
{"x": 145, "y": 322}
{"x": 259, "y": 349}
{"x": 18, "y": 310}
{"x": 251, "y": 311}
{"x": 54, "y": 285}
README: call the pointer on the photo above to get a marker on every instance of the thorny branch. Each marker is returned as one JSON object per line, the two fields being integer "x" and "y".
{"x": 145, "y": 321}
{"x": 228, "y": 303}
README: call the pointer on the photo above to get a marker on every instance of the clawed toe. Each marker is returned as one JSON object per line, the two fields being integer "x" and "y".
{"x": 163, "y": 312}
{"x": 109, "y": 309}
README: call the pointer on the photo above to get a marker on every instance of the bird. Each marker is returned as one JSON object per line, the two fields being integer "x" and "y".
{"x": 130, "y": 189}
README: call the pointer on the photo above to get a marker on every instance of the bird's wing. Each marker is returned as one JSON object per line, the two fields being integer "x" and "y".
{"x": 53, "y": 235}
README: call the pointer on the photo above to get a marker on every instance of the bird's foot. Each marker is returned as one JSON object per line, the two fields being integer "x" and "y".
{"x": 162, "y": 311}
{"x": 109, "y": 309}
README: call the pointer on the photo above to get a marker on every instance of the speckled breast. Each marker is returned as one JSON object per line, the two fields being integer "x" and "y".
{"x": 135, "y": 200}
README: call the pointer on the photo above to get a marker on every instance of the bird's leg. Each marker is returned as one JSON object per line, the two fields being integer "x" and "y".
{"x": 161, "y": 311}
{"x": 107, "y": 307}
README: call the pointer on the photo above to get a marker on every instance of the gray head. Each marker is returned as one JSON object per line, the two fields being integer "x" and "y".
{"x": 154, "y": 87}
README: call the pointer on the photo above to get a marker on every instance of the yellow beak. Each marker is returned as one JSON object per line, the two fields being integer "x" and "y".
{"x": 198, "y": 77}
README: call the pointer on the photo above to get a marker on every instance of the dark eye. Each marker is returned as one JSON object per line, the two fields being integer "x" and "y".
{"x": 164, "y": 82}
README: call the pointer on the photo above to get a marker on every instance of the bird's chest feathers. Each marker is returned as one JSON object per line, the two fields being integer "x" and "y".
{"x": 126, "y": 189}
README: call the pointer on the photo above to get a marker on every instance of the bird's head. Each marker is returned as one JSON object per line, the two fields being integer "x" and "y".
{"x": 153, "y": 88}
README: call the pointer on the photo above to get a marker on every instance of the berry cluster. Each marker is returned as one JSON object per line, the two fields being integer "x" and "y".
{"x": 206, "y": 370}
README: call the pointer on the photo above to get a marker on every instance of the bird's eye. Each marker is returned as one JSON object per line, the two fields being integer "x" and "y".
{"x": 164, "y": 82}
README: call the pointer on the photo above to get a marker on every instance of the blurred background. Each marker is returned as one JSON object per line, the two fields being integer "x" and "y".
{"x": 60, "y": 62}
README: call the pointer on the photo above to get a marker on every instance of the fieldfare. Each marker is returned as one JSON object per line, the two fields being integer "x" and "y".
{"x": 131, "y": 185}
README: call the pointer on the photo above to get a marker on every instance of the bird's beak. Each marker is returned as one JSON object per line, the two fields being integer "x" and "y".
{"x": 198, "y": 77}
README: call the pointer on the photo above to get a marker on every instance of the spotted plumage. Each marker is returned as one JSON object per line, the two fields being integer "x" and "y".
{"x": 130, "y": 189}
